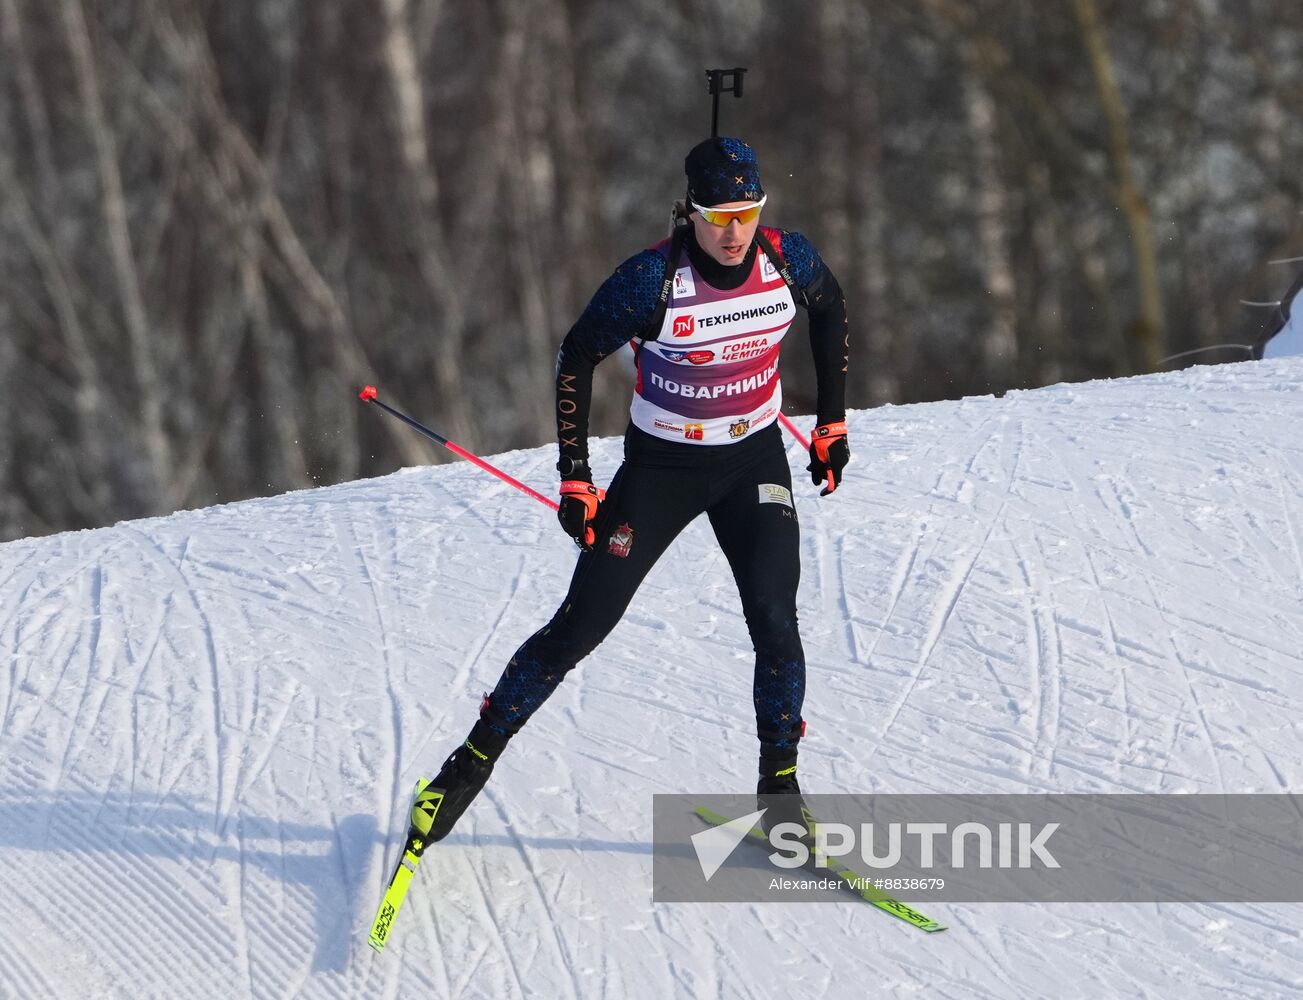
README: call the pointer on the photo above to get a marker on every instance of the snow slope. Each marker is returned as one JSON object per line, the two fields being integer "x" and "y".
{"x": 210, "y": 721}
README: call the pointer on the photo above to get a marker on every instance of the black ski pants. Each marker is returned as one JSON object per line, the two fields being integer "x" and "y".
{"x": 745, "y": 489}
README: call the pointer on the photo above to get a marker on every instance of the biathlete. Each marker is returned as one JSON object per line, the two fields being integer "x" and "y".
{"x": 706, "y": 312}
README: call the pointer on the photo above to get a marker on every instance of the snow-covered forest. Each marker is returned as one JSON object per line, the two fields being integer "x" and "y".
{"x": 218, "y": 219}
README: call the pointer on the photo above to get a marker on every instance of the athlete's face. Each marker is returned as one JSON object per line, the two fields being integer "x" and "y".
{"x": 726, "y": 244}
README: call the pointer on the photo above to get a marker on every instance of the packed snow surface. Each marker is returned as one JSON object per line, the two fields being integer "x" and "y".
{"x": 211, "y": 721}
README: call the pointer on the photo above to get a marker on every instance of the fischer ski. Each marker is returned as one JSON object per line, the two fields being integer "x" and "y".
{"x": 425, "y": 803}
{"x": 860, "y": 885}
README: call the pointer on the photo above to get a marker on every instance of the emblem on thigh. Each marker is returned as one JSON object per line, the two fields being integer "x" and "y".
{"x": 621, "y": 541}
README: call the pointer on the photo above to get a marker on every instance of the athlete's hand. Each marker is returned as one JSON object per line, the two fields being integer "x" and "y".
{"x": 580, "y": 501}
{"x": 829, "y": 454}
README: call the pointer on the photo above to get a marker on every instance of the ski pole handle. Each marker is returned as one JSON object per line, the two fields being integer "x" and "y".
{"x": 369, "y": 395}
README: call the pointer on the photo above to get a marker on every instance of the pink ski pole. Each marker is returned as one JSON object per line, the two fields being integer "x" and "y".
{"x": 369, "y": 395}
{"x": 791, "y": 428}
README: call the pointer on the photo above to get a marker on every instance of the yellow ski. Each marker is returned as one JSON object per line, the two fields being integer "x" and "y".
{"x": 425, "y": 803}
{"x": 854, "y": 882}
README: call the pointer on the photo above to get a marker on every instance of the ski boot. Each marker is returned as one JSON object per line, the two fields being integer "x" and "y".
{"x": 777, "y": 791}
{"x": 439, "y": 804}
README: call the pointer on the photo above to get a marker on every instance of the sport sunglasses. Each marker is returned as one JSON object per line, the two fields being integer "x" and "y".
{"x": 723, "y": 216}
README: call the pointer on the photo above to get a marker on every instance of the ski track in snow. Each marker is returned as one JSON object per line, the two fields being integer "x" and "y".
{"x": 209, "y": 723}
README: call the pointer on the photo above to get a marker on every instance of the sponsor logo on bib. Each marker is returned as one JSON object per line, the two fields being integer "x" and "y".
{"x": 693, "y": 357}
{"x": 684, "y": 286}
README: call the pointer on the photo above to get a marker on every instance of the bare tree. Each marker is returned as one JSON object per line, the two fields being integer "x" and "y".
{"x": 1149, "y": 324}
{"x": 999, "y": 342}
{"x": 217, "y": 221}
{"x": 142, "y": 344}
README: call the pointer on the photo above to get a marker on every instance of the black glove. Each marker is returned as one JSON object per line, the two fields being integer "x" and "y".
{"x": 829, "y": 454}
{"x": 580, "y": 501}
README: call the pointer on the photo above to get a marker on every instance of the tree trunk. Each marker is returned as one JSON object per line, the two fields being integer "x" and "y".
{"x": 999, "y": 342}
{"x": 436, "y": 264}
{"x": 875, "y": 350}
{"x": 1148, "y": 329}
{"x": 1043, "y": 359}
{"x": 18, "y": 54}
{"x": 113, "y": 205}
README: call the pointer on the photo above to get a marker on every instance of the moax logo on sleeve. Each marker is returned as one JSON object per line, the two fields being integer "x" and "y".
{"x": 685, "y": 326}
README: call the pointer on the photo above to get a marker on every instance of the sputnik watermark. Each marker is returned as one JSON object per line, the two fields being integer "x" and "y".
{"x": 983, "y": 848}
{"x": 831, "y": 841}
{"x": 838, "y": 840}
{"x": 716, "y": 845}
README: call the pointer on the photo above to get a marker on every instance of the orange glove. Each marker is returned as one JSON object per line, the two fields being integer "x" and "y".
{"x": 829, "y": 454}
{"x": 580, "y": 501}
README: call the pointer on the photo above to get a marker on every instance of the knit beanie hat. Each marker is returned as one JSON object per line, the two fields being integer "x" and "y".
{"x": 722, "y": 170}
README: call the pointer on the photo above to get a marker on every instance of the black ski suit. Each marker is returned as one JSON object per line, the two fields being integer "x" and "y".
{"x": 743, "y": 487}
